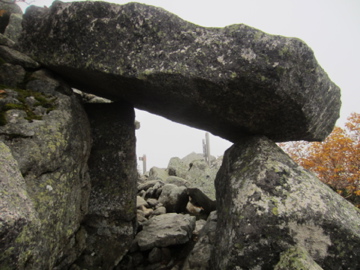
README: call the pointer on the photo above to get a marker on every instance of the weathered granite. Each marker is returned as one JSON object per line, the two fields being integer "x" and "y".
{"x": 178, "y": 181}
{"x": 296, "y": 258}
{"x": 230, "y": 81}
{"x": 8, "y": 8}
{"x": 13, "y": 29}
{"x": 267, "y": 204}
{"x": 166, "y": 230}
{"x": 15, "y": 57}
{"x": 199, "y": 257}
{"x": 156, "y": 173}
{"x": 112, "y": 203}
{"x": 195, "y": 172}
{"x": 174, "y": 198}
{"x": 45, "y": 143}
{"x": 11, "y": 75}
{"x": 6, "y": 41}
{"x": 178, "y": 167}
{"x": 199, "y": 199}
{"x": 16, "y": 211}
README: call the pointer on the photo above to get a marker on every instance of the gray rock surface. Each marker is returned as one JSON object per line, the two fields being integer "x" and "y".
{"x": 178, "y": 167}
{"x": 156, "y": 173}
{"x": 296, "y": 258}
{"x": 112, "y": 203}
{"x": 174, "y": 198}
{"x": 202, "y": 176}
{"x": 199, "y": 257}
{"x": 166, "y": 230}
{"x": 140, "y": 202}
{"x": 45, "y": 143}
{"x": 155, "y": 255}
{"x": 154, "y": 191}
{"x": 199, "y": 199}
{"x": 13, "y": 29}
{"x": 178, "y": 181}
{"x": 15, "y": 57}
{"x": 268, "y": 204}
{"x": 6, "y": 41}
{"x": 16, "y": 209}
{"x": 11, "y": 75}
{"x": 149, "y": 184}
{"x": 8, "y": 8}
{"x": 195, "y": 172}
{"x": 229, "y": 81}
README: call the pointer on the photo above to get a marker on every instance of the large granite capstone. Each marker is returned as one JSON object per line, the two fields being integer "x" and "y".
{"x": 230, "y": 81}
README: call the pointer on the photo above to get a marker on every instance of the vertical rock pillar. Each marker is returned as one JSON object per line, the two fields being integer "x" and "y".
{"x": 111, "y": 221}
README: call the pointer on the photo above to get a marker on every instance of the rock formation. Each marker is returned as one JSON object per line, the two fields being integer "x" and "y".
{"x": 230, "y": 81}
{"x": 199, "y": 257}
{"x": 267, "y": 204}
{"x": 194, "y": 169}
{"x": 69, "y": 193}
{"x": 166, "y": 230}
{"x": 10, "y": 20}
{"x": 44, "y": 182}
{"x": 112, "y": 168}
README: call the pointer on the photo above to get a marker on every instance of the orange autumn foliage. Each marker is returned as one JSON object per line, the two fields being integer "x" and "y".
{"x": 335, "y": 161}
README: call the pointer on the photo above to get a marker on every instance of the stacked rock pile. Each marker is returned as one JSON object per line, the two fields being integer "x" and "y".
{"x": 169, "y": 218}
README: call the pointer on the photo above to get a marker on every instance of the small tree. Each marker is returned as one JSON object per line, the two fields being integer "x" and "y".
{"x": 336, "y": 161}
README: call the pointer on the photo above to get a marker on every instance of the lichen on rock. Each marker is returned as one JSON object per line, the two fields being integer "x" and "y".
{"x": 48, "y": 135}
{"x": 231, "y": 81}
{"x": 267, "y": 204}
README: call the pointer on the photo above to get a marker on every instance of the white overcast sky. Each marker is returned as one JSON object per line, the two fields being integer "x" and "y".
{"x": 330, "y": 27}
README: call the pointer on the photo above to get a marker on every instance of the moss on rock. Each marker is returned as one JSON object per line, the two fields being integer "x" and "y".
{"x": 296, "y": 258}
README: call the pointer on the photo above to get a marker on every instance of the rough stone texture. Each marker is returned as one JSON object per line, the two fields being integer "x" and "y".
{"x": 9, "y": 8}
{"x": 147, "y": 184}
{"x": 15, "y": 57}
{"x": 159, "y": 211}
{"x": 166, "y": 230}
{"x": 202, "y": 176}
{"x": 230, "y": 81}
{"x": 199, "y": 199}
{"x": 296, "y": 259}
{"x": 44, "y": 179}
{"x": 199, "y": 257}
{"x": 140, "y": 202}
{"x": 111, "y": 221}
{"x": 6, "y": 41}
{"x": 196, "y": 172}
{"x": 13, "y": 29}
{"x": 155, "y": 255}
{"x": 195, "y": 156}
{"x": 156, "y": 173}
{"x": 267, "y": 204}
{"x": 178, "y": 167}
{"x": 154, "y": 191}
{"x": 16, "y": 210}
{"x": 174, "y": 198}
{"x": 11, "y": 75}
{"x": 177, "y": 181}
